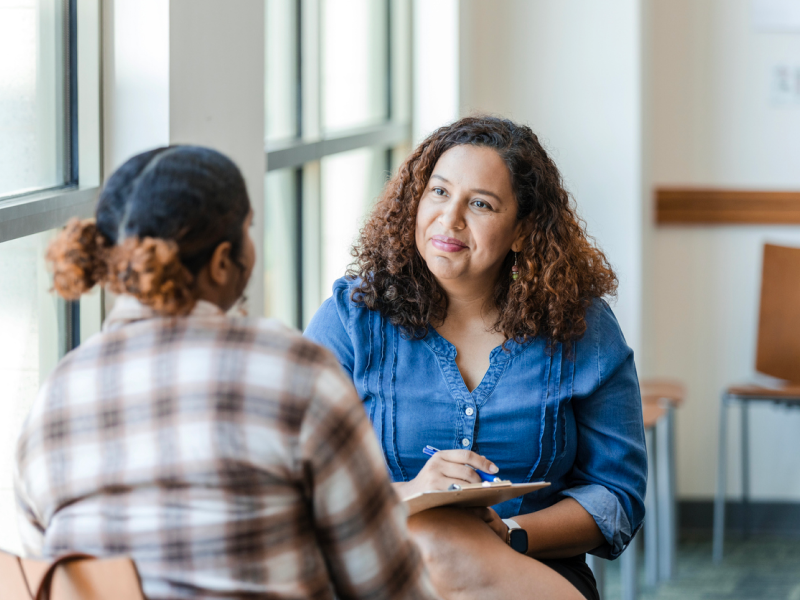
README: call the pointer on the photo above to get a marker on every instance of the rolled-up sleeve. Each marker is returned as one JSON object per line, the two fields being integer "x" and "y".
{"x": 609, "y": 475}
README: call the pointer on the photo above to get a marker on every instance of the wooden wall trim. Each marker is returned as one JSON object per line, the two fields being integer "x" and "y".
{"x": 720, "y": 206}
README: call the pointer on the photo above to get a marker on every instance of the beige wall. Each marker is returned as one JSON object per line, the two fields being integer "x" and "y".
{"x": 571, "y": 70}
{"x": 628, "y": 94}
{"x": 715, "y": 124}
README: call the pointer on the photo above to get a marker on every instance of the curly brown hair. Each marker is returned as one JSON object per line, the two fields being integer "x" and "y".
{"x": 149, "y": 269}
{"x": 160, "y": 217}
{"x": 560, "y": 270}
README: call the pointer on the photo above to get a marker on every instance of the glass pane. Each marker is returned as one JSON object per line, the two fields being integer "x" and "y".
{"x": 354, "y": 63}
{"x": 31, "y": 95}
{"x": 398, "y": 156}
{"x": 29, "y": 317}
{"x": 282, "y": 72}
{"x": 36, "y": 320}
{"x": 351, "y": 183}
{"x": 280, "y": 246}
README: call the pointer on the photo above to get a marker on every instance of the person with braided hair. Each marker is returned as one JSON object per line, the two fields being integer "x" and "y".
{"x": 474, "y": 320}
{"x": 229, "y": 457}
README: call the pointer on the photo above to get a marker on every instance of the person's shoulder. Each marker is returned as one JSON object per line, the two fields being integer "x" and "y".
{"x": 304, "y": 363}
{"x": 346, "y": 292}
{"x": 603, "y": 334}
{"x": 340, "y": 311}
{"x": 269, "y": 334}
{"x": 601, "y": 322}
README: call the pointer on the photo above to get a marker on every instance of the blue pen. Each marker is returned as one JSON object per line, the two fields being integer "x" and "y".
{"x": 430, "y": 451}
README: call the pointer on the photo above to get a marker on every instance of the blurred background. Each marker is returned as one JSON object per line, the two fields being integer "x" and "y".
{"x": 675, "y": 123}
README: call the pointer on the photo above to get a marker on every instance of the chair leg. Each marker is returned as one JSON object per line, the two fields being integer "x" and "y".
{"x": 665, "y": 495}
{"x": 719, "y": 500}
{"x": 629, "y": 570}
{"x": 745, "y": 467}
{"x": 598, "y": 567}
{"x": 673, "y": 487}
{"x": 651, "y": 514}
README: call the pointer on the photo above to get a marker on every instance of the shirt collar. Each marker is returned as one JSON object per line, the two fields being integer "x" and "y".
{"x": 128, "y": 309}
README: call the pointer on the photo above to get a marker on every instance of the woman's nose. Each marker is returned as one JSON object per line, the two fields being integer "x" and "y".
{"x": 452, "y": 216}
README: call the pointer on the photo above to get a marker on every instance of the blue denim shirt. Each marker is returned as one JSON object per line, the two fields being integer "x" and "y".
{"x": 573, "y": 421}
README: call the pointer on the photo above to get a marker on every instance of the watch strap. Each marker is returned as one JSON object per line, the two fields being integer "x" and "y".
{"x": 517, "y": 537}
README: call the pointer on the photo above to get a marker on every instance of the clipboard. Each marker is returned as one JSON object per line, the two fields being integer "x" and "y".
{"x": 471, "y": 495}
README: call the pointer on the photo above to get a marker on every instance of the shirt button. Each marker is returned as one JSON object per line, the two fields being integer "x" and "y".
{"x": 470, "y": 411}
{"x": 465, "y": 442}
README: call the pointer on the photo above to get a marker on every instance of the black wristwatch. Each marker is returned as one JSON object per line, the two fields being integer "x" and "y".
{"x": 517, "y": 537}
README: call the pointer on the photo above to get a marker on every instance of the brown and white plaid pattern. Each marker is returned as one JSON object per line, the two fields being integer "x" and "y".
{"x": 229, "y": 457}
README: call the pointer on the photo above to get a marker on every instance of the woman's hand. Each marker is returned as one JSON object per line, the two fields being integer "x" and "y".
{"x": 445, "y": 468}
{"x": 492, "y": 519}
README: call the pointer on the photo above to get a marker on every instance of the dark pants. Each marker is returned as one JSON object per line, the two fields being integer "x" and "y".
{"x": 577, "y": 572}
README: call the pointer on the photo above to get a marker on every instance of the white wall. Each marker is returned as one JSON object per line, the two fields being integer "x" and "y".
{"x": 188, "y": 72}
{"x": 570, "y": 69}
{"x": 714, "y": 124}
{"x": 135, "y": 78}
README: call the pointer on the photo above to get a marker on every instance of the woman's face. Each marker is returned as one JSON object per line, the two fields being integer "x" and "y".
{"x": 467, "y": 217}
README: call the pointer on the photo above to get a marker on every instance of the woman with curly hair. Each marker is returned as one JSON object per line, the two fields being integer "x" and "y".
{"x": 474, "y": 321}
{"x": 229, "y": 457}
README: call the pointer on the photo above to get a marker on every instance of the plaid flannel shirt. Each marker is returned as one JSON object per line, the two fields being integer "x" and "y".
{"x": 229, "y": 457}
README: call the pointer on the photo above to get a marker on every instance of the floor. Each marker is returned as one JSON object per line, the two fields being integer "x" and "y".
{"x": 758, "y": 568}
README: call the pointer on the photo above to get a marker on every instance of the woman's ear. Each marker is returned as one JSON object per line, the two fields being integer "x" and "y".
{"x": 220, "y": 265}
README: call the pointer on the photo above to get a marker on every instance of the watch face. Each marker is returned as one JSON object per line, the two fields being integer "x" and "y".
{"x": 518, "y": 540}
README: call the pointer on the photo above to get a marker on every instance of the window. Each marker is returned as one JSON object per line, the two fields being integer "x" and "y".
{"x": 283, "y": 69}
{"x": 34, "y": 107}
{"x": 350, "y": 183}
{"x": 43, "y": 134}
{"x": 354, "y": 64}
{"x": 337, "y": 119}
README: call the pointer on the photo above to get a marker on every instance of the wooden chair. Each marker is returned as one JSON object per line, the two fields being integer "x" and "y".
{"x": 777, "y": 355}
{"x": 71, "y": 577}
{"x": 670, "y": 394}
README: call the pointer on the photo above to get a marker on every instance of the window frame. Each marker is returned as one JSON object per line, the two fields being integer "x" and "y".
{"x": 31, "y": 212}
{"x": 311, "y": 144}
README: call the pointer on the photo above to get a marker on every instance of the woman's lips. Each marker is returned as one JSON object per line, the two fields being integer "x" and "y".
{"x": 447, "y": 244}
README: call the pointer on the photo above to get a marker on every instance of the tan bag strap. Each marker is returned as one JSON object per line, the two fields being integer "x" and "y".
{"x": 43, "y": 593}
{"x": 24, "y": 577}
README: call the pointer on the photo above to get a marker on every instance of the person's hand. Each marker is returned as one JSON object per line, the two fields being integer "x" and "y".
{"x": 493, "y": 520}
{"x": 445, "y": 468}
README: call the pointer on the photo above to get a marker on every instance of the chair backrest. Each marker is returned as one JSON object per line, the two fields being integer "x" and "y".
{"x": 75, "y": 577}
{"x": 778, "y": 352}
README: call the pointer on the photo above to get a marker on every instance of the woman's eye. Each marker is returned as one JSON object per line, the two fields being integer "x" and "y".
{"x": 438, "y": 191}
{"x": 481, "y": 204}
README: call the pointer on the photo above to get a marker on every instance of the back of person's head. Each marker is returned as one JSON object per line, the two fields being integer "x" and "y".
{"x": 159, "y": 220}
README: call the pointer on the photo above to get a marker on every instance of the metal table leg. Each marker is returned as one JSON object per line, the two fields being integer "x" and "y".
{"x": 628, "y": 569}
{"x": 745, "y": 467}
{"x": 719, "y": 500}
{"x": 651, "y": 514}
{"x": 666, "y": 498}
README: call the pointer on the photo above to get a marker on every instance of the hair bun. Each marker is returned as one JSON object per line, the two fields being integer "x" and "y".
{"x": 77, "y": 258}
{"x": 151, "y": 270}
